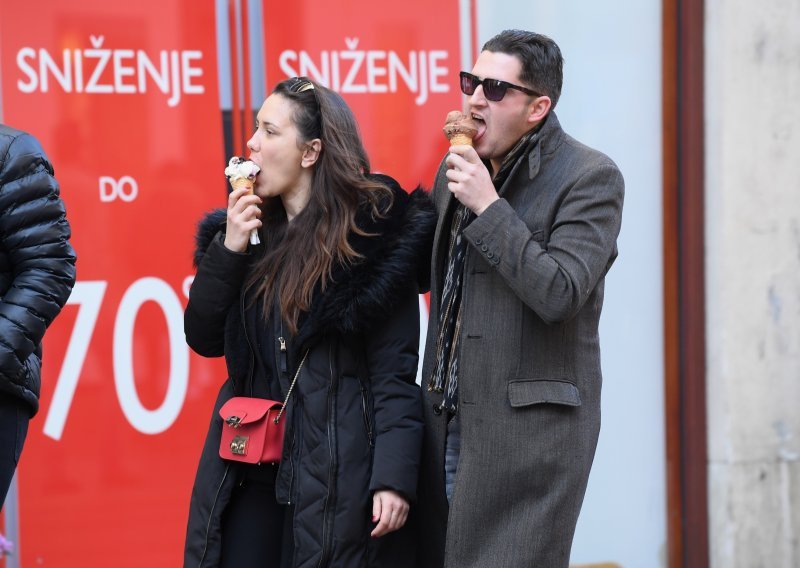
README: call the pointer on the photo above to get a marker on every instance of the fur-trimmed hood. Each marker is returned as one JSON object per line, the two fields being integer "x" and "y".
{"x": 358, "y": 295}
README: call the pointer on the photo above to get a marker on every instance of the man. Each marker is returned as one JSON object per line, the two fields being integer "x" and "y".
{"x": 528, "y": 222}
{"x": 37, "y": 272}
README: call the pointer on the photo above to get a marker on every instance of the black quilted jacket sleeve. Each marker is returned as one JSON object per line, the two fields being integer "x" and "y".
{"x": 37, "y": 263}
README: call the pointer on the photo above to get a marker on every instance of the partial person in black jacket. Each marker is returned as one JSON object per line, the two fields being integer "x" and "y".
{"x": 335, "y": 276}
{"x": 37, "y": 272}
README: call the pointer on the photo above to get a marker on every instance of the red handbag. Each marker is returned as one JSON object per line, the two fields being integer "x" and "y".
{"x": 253, "y": 428}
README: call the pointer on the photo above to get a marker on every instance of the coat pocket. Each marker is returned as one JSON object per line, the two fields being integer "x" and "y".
{"x": 32, "y": 376}
{"x": 367, "y": 411}
{"x": 526, "y": 392}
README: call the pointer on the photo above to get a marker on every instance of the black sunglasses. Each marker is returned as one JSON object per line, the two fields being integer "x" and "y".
{"x": 493, "y": 89}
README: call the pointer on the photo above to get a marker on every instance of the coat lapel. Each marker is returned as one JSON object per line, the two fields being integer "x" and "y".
{"x": 445, "y": 204}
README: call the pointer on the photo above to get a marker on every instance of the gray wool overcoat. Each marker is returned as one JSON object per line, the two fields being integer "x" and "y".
{"x": 529, "y": 379}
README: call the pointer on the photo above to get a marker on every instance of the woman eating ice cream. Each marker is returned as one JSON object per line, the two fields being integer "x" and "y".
{"x": 328, "y": 298}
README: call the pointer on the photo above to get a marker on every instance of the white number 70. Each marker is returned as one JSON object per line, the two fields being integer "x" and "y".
{"x": 89, "y": 296}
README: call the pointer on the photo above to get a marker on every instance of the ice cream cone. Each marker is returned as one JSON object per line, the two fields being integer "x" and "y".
{"x": 243, "y": 182}
{"x": 242, "y": 174}
{"x": 238, "y": 183}
{"x": 461, "y": 139}
{"x": 459, "y": 128}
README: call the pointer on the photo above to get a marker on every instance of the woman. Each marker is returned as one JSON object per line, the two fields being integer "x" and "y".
{"x": 333, "y": 284}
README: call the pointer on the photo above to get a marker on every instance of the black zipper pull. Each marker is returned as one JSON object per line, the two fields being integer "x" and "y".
{"x": 284, "y": 355}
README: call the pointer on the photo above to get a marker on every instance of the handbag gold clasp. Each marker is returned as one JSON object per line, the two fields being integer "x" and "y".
{"x": 239, "y": 445}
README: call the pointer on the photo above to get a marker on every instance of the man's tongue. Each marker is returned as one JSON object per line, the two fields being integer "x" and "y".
{"x": 481, "y": 128}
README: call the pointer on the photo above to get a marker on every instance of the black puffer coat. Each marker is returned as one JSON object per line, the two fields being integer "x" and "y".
{"x": 37, "y": 263}
{"x": 354, "y": 420}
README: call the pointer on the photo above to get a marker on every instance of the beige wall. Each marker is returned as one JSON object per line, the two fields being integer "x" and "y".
{"x": 753, "y": 281}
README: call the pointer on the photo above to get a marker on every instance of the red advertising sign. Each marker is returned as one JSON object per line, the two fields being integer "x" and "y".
{"x": 124, "y": 98}
{"x": 397, "y": 67}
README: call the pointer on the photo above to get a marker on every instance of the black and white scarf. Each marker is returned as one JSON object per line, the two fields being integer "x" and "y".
{"x": 445, "y": 371}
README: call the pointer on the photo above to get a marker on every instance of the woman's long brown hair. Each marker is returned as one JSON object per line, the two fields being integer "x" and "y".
{"x": 299, "y": 256}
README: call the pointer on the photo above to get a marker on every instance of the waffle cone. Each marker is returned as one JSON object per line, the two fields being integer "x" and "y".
{"x": 461, "y": 139}
{"x": 239, "y": 183}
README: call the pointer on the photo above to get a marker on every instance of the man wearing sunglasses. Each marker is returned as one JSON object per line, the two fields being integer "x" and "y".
{"x": 528, "y": 223}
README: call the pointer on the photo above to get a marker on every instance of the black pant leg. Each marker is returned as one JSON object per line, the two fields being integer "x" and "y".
{"x": 14, "y": 418}
{"x": 252, "y": 525}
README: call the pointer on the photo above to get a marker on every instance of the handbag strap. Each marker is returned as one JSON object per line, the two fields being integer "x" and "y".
{"x": 294, "y": 380}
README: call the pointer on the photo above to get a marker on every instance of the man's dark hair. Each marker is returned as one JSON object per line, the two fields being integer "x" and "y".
{"x": 542, "y": 63}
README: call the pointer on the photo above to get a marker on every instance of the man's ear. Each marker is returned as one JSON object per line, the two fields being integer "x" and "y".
{"x": 311, "y": 153}
{"x": 538, "y": 109}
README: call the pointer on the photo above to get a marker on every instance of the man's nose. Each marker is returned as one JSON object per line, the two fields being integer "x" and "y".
{"x": 477, "y": 98}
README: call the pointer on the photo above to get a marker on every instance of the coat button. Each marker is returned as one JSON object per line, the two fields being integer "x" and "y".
{"x": 490, "y": 255}
{"x": 437, "y": 410}
{"x": 478, "y": 242}
{"x": 484, "y": 248}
